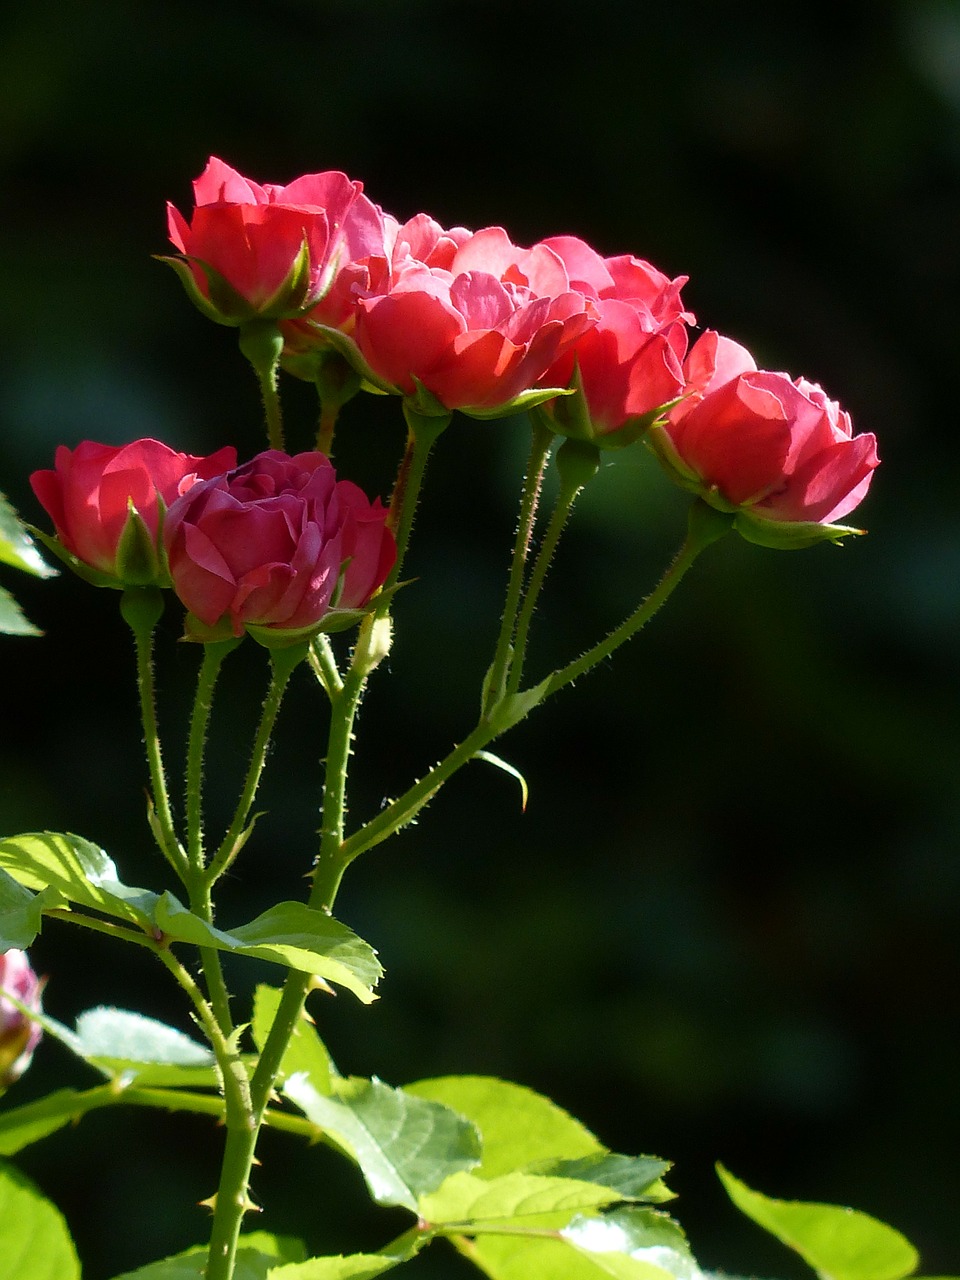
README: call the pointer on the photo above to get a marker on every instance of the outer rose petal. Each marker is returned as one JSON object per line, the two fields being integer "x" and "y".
{"x": 265, "y": 546}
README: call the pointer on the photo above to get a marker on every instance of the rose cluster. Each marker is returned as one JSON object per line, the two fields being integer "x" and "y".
{"x": 449, "y": 319}
{"x": 457, "y": 319}
{"x": 279, "y": 547}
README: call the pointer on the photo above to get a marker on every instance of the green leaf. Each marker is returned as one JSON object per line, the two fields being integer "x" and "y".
{"x": 469, "y": 1200}
{"x": 34, "y": 1241}
{"x": 24, "y": 1125}
{"x": 640, "y": 1235}
{"x": 21, "y": 912}
{"x": 517, "y": 1126}
{"x": 79, "y": 870}
{"x": 840, "y": 1244}
{"x": 17, "y": 547}
{"x": 291, "y": 934}
{"x": 523, "y": 1257}
{"x": 635, "y": 1177}
{"x": 257, "y": 1256}
{"x": 13, "y": 621}
{"x": 405, "y": 1146}
{"x": 356, "y": 1266}
{"x": 305, "y": 1053}
{"x": 136, "y": 1047}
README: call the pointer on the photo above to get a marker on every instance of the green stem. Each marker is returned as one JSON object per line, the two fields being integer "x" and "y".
{"x": 540, "y": 444}
{"x": 323, "y": 663}
{"x": 326, "y": 427}
{"x": 705, "y": 526}
{"x": 571, "y": 458}
{"x": 282, "y": 665}
{"x": 213, "y": 656}
{"x": 262, "y": 343}
{"x": 422, "y": 434}
{"x": 141, "y": 608}
{"x": 232, "y": 1194}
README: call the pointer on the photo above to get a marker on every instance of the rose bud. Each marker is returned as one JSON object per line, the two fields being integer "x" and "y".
{"x": 19, "y": 1035}
{"x": 107, "y": 503}
{"x": 776, "y": 453}
{"x": 274, "y": 252}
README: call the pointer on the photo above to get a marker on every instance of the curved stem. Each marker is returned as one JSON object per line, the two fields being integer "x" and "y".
{"x": 422, "y": 434}
{"x": 705, "y": 527}
{"x": 558, "y": 521}
{"x": 213, "y": 656}
{"x": 141, "y": 609}
{"x": 282, "y": 665}
{"x": 540, "y": 445}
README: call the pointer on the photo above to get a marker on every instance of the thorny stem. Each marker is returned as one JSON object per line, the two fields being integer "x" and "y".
{"x": 540, "y": 445}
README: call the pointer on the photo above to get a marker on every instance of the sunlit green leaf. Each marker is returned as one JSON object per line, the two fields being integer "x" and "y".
{"x": 13, "y": 621}
{"x": 405, "y": 1146}
{"x": 305, "y": 1053}
{"x": 525, "y": 1258}
{"x": 21, "y": 912}
{"x": 640, "y": 1235}
{"x": 34, "y": 1241}
{"x": 79, "y": 870}
{"x": 129, "y": 1044}
{"x": 518, "y": 1127}
{"x": 258, "y": 1254}
{"x": 840, "y": 1244}
{"x": 290, "y": 934}
{"x": 17, "y": 547}
{"x": 465, "y": 1198}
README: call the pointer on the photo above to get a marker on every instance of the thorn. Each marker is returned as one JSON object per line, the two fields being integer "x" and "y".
{"x": 210, "y": 1203}
{"x": 318, "y": 984}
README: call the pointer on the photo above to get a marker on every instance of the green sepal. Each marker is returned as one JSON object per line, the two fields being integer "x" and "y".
{"x": 569, "y": 415}
{"x": 138, "y": 562}
{"x": 228, "y": 307}
{"x": 96, "y": 577}
{"x": 790, "y": 535}
{"x": 306, "y": 364}
{"x": 521, "y": 403}
{"x": 424, "y": 407}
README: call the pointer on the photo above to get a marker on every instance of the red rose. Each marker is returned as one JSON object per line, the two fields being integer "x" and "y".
{"x": 274, "y": 252}
{"x": 106, "y": 502}
{"x": 777, "y": 452}
{"x": 477, "y": 332}
{"x": 278, "y": 547}
{"x": 629, "y": 364}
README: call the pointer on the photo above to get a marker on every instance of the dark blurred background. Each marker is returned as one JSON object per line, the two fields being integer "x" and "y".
{"x": 727, "y": 925}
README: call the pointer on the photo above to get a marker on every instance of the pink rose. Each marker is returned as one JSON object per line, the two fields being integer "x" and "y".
{"x": 106, "y": 502}
{"x": 279, "y": 547}
{"x": 273, "y": 252}
{"x": 779, "y": 453}
{"x": 19, "y": 1035}
{"x": 477, "y": 332}
{"x": 629, "y": 364}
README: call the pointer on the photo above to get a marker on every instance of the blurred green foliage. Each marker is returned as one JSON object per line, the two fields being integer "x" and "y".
{"x": 726, "y": 926}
